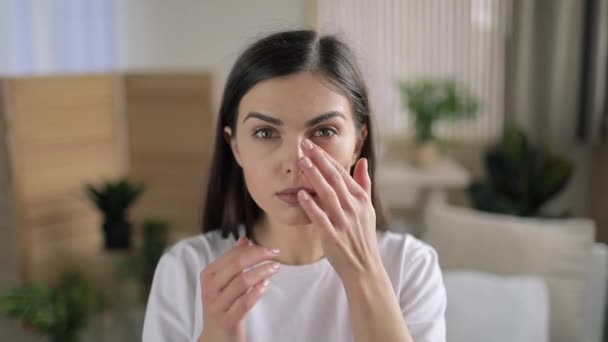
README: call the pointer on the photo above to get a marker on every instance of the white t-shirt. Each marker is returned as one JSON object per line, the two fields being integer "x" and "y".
{"x": 302, "y": 303}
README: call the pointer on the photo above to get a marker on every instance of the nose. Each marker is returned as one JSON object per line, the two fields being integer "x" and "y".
{"x": 292, "y": 156}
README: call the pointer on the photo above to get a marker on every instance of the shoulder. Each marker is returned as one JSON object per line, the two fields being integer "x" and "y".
{"x": 413, "y": 267}
{"x": 405, "y": 249}
{"x": 410, "y": 263}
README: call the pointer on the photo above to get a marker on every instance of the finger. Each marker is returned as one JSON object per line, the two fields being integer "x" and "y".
{"x": 240, "y": 245}
{"x": 244, "y": 303}
{"x": 332, "y": 175}
{"x": 362, "y": 175}
{"x": 243, "y": 282}
{"x": 243, "y": 241}
{"x": 326, "y": 194}
{"x": 229, "y": 268}
{"x": 316, "y": 215}
{"x": 353, "y": 187}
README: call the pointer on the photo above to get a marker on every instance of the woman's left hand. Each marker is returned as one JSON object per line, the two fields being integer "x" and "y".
{"x": 343, "y": 210}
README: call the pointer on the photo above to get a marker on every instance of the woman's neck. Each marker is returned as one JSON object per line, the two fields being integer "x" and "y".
{"x": 299, "y": 244}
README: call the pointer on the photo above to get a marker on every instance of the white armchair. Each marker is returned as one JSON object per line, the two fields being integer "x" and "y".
{"x": 509, "y": 255}
{"x": 473, "y": 299}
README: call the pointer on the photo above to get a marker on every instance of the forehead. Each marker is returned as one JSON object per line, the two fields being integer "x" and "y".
{"x": 295, "y": 97}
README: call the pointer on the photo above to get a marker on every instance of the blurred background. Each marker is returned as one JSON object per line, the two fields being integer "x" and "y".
{"x": 492, "y": 126}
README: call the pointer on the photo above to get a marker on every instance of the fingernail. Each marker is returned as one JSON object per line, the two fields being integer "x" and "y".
{"x": 265, "y": 283}
{"x": 275, "y": 251}
{"x": 303, "y": 195}
{"x": 275, "y": 265}
{"x": 306, "y": 144}
{"x": 305, "y": 162}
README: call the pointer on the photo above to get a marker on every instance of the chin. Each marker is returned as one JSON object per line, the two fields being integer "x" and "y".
{"x": 293, "y": 216}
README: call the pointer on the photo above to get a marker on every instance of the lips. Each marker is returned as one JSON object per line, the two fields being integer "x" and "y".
{"x": 290, "y": 195}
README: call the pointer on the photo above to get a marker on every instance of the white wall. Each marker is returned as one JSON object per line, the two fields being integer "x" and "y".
{"x": 154, "y": 34}
{"x": 160, "y": 34}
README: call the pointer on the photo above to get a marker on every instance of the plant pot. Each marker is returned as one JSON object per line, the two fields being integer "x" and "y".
{"x": 425, "y": 154}
{"x": 117, "y": 235}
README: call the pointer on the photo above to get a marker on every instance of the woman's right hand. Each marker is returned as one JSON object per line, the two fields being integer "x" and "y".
{"x": 230, "y": 286}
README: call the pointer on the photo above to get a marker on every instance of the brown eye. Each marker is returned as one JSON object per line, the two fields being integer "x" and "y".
{"x": 265, "y": 133}
{"x": 325, "y": 132}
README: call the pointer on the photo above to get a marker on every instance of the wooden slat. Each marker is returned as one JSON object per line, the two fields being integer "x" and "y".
{"x": 168, "y": 88}
{"x": 171, "y": 124}
{"x": 42, "y": 128}
{"x": 50, "y": 236}
{"x": 169, "y": 132}
{"x": 41, "y": 93}
{"x": 9, "y": 241}
{"x": 58, "y": 208}
{"x": 55, "y": 170}
{"x": 56, "y": 256}
{"x": 64, "y": 132}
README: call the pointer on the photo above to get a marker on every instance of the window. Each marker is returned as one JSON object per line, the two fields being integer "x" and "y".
{"x": 58, "y": 36}
{"x": 410, "y": 39}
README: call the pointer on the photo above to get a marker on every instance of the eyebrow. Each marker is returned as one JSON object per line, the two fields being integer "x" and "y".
{"x": 309, "y": 123}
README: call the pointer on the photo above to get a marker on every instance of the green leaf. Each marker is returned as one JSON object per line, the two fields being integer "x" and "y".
{"x": 432, "y": 100}
{"x": 521, "y": 177}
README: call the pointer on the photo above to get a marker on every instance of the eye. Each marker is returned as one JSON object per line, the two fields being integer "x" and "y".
{"x": 325, "y": 132}
{"x": 265, "y": 133}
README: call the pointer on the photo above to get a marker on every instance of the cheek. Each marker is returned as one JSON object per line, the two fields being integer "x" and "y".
{"x": 341, "y": 150}
{"x": 252, "y": 180}
{"x": 257, "y": 168}
{"x": 252, "y": 152}
{"x": 256, "y": 182}
{"x": 256, "y": 165}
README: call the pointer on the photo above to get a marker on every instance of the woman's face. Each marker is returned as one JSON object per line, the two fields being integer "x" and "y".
{"x": 274, "y": 117}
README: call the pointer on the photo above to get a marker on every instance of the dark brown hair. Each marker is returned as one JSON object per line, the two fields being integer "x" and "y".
{"x": 228, "y": 203}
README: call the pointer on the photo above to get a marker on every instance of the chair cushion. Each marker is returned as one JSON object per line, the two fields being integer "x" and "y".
{"x": 557, "y": 250}
{"x": 486, "y": 307}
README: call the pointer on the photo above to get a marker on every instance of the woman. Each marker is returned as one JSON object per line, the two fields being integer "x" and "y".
{"x": 295, "y": 247}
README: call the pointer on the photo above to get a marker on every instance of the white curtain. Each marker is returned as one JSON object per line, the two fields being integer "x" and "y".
{"x": 57, "y": 36}
{"x": 409, "y": 39}
{"x": 544, "y": 70}
{"x": 599, "y": 101}
{"x": 544, "y": 80}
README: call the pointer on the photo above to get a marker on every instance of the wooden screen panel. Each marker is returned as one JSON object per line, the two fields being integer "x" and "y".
{"x": 171, "y": 131}
{"x": 9, "y": 258}
{"x": 64, "y": 132}
{"x": 598, "y": 191}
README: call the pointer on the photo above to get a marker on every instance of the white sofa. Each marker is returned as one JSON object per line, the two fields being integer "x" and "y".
{"x": 524, "y": 303}
{"x": 519, "y": 280}
{"x": 594, "y": 314}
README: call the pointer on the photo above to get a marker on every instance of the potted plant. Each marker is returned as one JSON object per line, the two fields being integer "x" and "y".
{"x": 60, "y": 312}
{"x": 432, "y": 100}
{"x": 140, "y": 266}
{"x": 113, "y": 199}
{"x": 521, "y": 177}
{"x": 155, "y": 240}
